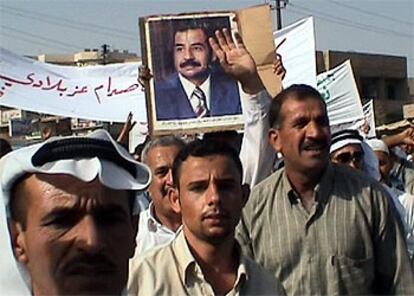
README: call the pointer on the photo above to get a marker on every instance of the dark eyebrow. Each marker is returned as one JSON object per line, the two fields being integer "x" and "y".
{"x": 56, "y": 212}
{"x": 63, "y": 211}
{"x": 192, "y": 44}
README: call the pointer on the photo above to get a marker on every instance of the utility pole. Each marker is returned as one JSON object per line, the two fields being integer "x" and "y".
{"x": 105, "y": 50}
{"x": 278, "y": 14}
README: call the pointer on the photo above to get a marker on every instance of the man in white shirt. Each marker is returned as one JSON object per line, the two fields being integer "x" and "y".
{"x": 158, "y": 223}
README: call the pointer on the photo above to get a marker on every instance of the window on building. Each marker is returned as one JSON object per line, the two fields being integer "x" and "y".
{"x": 391, "y": 92}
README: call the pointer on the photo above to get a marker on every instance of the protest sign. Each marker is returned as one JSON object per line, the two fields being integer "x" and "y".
{"x": 296, "y": 44}
{"x": 105, "y": 93}
{"x": 338, "y": 88}
{"x": 177, "y": 52}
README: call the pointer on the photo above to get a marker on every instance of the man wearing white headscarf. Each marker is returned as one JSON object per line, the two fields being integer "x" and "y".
{"x": 406, "y": 200}
{"x": 68, "y": 218}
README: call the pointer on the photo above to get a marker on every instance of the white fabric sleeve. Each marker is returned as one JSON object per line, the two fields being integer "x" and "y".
{"x": 256, "y": 154}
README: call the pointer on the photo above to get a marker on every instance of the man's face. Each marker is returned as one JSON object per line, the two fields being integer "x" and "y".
{"x": 303, "y": 136}
{"x": 351, "y": 155}
{"x": 385, "y": 165}
{"x": 79, "y": 236}
{"x": 211, "y": 197}
{"x": 192, "y": 54}
{"x": 160, "y": 160}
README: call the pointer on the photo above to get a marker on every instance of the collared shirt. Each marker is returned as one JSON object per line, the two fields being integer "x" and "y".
{"x": 349, "y": 243}
{"x": 151, "y": 233}
{"x": 189, "y": 88}
{"x": 172, "y": 270}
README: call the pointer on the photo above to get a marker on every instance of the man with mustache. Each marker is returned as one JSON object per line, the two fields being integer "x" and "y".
{"x": 321, "y": 228}
{"x": 158, "y": 223}
{"x": 69, "y": 218}
{"x": 197, "y": 88}
{"x": 204, "y": 258}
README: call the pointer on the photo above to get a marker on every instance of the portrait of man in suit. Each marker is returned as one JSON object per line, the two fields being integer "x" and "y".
{"x": 197, "y": 87}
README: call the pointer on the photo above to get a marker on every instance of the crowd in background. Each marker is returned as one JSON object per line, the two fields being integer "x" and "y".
{"x": 284, "y": 208}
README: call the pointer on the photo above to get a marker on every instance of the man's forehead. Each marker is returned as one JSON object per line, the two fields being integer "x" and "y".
{"x": 298, "y": 107}
{"x": 69, "y": 189}
{"x": 193, "y": 34}
{"x": 195, "y": 167}
{"x": 160, "y": 155}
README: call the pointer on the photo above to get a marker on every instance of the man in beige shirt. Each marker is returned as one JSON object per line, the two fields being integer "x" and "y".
{"x": 204, "y": 258}
{"x": 322, "y": 229}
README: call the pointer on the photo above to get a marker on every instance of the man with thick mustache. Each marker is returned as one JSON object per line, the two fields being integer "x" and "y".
{"x": 69, "y": 219}
{"x": 196, "y": 89}
{"x": 321, "y": 228}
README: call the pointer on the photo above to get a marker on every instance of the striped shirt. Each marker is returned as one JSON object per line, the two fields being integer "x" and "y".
{"x": 349, "y": 243}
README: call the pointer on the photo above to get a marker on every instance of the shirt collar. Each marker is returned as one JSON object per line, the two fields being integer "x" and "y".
{"x": 189, "y": 87}
{"x": 153, "y": 223}
{"x": 188, "y": 265}
{"x": 321, "y": 190}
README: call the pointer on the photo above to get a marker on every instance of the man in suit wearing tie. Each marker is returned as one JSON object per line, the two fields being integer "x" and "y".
{"x": 196, "y": 89}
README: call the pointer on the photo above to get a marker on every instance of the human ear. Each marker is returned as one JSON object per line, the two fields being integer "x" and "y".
{"x": 274, "y": 139}
{"x": 18, "y": 239}
{"x": 245, "y": 194}
{"x": 174, "y": 198}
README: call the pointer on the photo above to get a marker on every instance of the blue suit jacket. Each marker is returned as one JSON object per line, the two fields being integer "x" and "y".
{"x": 172, "y": 103}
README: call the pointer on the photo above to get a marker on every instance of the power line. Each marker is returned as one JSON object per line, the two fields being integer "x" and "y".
{"x": 35, "y": 41}
{"x": 24, "y": 33}
{"x": 66, "y": 23}
{"x": 349, "y": 23}
{"x": 382, "y": 16}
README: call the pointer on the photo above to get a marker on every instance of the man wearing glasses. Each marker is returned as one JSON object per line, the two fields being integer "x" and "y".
{"x": 348, "y": 147}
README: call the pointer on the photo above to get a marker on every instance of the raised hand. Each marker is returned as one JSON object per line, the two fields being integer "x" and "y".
{"x": 144, "y": 75}
{"x": 236, "y": 61}
{"x": 123, "y": 136}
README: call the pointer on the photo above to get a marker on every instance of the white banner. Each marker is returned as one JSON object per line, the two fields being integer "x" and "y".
{"x": 296, "y": 45}
{"x": 338, "y": 88}
{"x": 104, "y": 93}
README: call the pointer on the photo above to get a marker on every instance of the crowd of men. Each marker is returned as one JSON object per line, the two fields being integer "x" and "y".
{"x": 81, "y": 216}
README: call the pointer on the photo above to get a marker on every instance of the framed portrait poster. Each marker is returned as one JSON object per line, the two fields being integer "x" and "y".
{"x": 189, "y": 91}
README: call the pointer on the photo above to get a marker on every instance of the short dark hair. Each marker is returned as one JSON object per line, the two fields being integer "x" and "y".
{"x": 203, "y": 148}
{"x": 193, "y": 24}
{"x": 300, "y": 92}
{"x": 17, "y": 203}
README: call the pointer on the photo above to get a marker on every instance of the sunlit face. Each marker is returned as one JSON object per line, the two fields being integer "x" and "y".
{"x": 385, "y": 165}
{"x": 211, "y": 197}
{"x": 79, "y": 236}
{"x": 303, "y": 136}
{"x": 160, "y": 160}
{"x": 351, "y": 155}
{"x": 192, "y": 55}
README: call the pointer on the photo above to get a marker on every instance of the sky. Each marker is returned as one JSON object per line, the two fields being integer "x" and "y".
{"x": 32, "y": 27}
